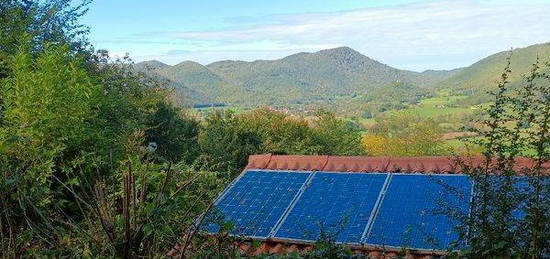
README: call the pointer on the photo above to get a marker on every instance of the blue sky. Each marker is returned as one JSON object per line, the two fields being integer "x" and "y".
{"x": 407, "y": 34}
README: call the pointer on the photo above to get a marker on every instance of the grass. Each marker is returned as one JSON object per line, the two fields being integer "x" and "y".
{"x": 367, "y": 123}
{"x": 455, "y": 143}
{"x": 434, "y": 107}
{"x": 441, "y": 100}
{"x": 235, "y": 109}
{"x": 431, "y": 112}
{"x": 440, "y": 106}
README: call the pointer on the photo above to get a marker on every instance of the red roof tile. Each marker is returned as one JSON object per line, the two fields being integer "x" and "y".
{"x": 425, "y": 164}
{"x": 297, "y": 163}
{"x": 432, "y": 164}
{"x": 258, "y": 161}
{"x": 357, "y": 164}
{"x": 264, "y": 247}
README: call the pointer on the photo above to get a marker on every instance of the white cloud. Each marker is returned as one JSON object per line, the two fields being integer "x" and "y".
{"x": 415, "y": 36}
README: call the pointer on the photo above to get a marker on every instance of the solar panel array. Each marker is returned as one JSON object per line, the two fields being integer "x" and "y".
{"x": 394, "y": 210}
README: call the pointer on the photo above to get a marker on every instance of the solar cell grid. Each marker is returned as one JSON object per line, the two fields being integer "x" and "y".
{"x": 339, "y": 204}
{"x": 351, "y": 206}
{"x": 257, "y": 200}
{"x": 408, "y": 215}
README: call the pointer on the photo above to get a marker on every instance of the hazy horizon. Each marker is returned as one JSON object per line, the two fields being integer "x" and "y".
{"x": 381, "y": 61}
{"x": 405, "y": 34}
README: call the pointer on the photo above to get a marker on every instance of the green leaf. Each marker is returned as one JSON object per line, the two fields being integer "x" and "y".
{"x": 256, "y": 243}
{"x": 227, "y": 226}
{"x": 73, "y": 181}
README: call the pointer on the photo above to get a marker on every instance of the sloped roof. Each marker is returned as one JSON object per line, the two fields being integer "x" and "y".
{"x": 424, "y": 164}
{"x": 252, "y": 248}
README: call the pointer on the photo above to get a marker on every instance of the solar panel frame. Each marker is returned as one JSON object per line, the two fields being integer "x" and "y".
{"x": 233, "y": 183}
{"x": 366, "y": 243}
{"x": 291, "y": 205}
{"x": 371, "y": 216}
{"x": 229, "y": 187}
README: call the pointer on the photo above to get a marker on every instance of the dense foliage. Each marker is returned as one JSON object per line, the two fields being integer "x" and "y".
{"x": 96, "y": 160}
{"x": 404, "y": 134}
{"x": 227, "y": 139}
{"x": 509, "y": 216}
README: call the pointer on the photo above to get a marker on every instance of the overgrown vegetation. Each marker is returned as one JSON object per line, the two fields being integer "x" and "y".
{"x": 509, "y": 213}
{"x": 96, "y": 161}
{"x": 228, "y": 139}
{"x": 405, "y": 134}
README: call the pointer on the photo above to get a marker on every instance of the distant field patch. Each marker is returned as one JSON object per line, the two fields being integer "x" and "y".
{"x": 433, "y": 111}
{"x": 441, "y": 100}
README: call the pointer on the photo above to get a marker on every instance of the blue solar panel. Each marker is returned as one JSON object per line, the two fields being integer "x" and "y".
{"x": 257, "y": 200}
{"x": 520, "y": 186}
{"x": 338, "y": 203}
{"x": 408, "y": 215}
{"x": 522, "y": 189}
{"x": 396, "y": 210}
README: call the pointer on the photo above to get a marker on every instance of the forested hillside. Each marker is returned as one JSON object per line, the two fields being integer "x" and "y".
{"x": 481, "y": 76}
{"x": 343, "y": 81}
{"x": 296, "y": 79}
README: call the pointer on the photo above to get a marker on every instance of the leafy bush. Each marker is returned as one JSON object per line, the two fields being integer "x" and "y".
{"x": 510, "y": 217}
{"x": 227, "y": 140}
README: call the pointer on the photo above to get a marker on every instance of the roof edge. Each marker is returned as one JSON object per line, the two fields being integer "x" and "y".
{"x": 420, "y": 164}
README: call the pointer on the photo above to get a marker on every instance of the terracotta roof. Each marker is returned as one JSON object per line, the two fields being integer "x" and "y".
{"x": 425, "y": 164}
{"x": 265, "y": 247}
{"x": 357, "y": 164}
{"x": 274, "y": 246}
{"x": 297, "y": 163}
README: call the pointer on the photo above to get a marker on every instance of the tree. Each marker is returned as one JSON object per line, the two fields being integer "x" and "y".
{"x": 224, "y": 144}
{"x": 227, "y": 139}
{"x": 68, "y": 119}
{"x": 336, "y": 136}
{"x": 38, "y": 23}
{"x": 279, "y": 133}
{"x": 174, "y": 134}
{"x": 404, "y": 134}
{"x": 48, "y": 103}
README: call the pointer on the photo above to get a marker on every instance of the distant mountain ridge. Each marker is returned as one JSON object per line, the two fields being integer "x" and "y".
{"x": 298, "y": 78}
{"x": 316, "y": 77}
{"x": 149, "y": 65}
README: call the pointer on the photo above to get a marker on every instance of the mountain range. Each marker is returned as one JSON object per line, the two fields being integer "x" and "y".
{"x": 324, "y": 75}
